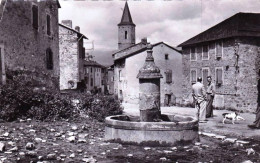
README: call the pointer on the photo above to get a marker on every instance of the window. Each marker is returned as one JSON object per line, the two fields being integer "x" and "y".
{"x": 219, "y": 49}
{"x": 193, "y": 56}
{"x": 219, "y": 76}
{"x": 205, "y": 74}
{"x": 49, "y": 59}
{"x": 102, "y": 82}
{"x": 166, "y": 56}
{"x": 91, "y": 70}
{"x": 193, "y": 76}
{"x": 168, "y": 76}
{"x": 120, "y": 75}
{"x": 125, "y": 34}
{"x": 35, "y": 17}
{"x": 91, "y": 82}
{"x": 48, "y": 24}
{"x": 205, "y": 52}
{"x": 83, "y": 53}
{"x": 87, "y": 70}
{"x": 86, "y": 80}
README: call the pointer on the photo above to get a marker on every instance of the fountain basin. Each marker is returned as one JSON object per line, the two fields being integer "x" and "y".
{"x": 173, "y": 130}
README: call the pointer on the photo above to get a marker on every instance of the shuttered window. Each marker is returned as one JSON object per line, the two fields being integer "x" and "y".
{"x": 35, "y": 17}
{"x": 120, "y": 75}
{"x": 219, "y": 76}
{"x": 49, "y": 59}
{"x": 48, "y": 25}
{"x": 205, "y": 52}
{"x": 193, "y": 56}
{"x": 168, "y": 76}
{"x": 193, "y": 75}
{"x": 219, "y": 49}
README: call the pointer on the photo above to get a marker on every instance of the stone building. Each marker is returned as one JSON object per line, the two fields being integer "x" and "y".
{"x": 130, "y": 58}
{"x": 110, "y": 79}
{"x": 29, "y": 39}
{"x": 126, "y": 30}
{"x": 95, "y": 76}
{"x": 230, "y": 53}
{"x": 72, "y": 55}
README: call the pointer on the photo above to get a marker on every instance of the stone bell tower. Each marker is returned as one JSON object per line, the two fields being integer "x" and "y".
{"x": 126, "y": 30}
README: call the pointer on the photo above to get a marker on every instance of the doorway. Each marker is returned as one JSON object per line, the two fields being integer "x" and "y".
{"x": 167, "y": 100}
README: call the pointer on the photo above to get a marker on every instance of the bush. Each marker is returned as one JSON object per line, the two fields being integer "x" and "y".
{"x": 22, "y": 98}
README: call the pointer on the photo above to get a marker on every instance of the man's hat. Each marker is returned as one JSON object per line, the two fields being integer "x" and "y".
{"x": 199, "y": 79}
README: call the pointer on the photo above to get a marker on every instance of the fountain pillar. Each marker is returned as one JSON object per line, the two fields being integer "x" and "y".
{"x": 149, "y": 96}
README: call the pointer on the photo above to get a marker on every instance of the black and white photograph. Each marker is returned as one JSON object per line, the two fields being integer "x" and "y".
{"x": 129, "y": 81}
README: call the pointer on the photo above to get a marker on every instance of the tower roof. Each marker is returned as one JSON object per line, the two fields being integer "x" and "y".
{"x": 126, "y": 17}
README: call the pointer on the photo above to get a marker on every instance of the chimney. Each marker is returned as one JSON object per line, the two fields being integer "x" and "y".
{"x": 77, "y": 28}
{"x": 144, "y": 40}
{"x": 67, "y": 23}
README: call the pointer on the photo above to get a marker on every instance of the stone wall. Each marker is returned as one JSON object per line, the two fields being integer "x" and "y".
{"x": 122, "y": 42}
{"x": 69, "y": 58}
{"x": 24, "y": 48}
{"x": 238, "y": 90}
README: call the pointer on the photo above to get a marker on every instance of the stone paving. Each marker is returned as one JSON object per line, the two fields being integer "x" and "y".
{"x": 214, "y": 127}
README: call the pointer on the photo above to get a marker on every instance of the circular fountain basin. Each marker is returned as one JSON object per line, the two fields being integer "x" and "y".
{"x": 173, "y": 130}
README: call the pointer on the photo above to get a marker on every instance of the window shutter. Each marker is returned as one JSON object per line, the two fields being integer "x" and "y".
{"x": 205, "y": 52}
{"x": 219, "y": 76}
{"x": 169, "y": 76}
{"x": 120, "y": 77}
{"x": 35, "y": 16}
{"x": 219, "y": 49}
{"x": 193, "y": 55}
{"x": 48, "y": 25}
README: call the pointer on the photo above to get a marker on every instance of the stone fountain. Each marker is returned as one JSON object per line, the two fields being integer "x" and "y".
{"x": 152, "y": 128}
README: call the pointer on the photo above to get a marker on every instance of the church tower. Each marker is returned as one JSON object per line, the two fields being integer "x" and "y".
{"x": 126, "y": 30}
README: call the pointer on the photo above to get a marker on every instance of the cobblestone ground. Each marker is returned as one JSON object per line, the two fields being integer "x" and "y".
{"x": 30, "y": 141}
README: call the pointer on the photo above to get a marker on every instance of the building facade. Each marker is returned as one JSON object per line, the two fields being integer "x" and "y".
{"x": 72, "y": 55}
{"x": 130, "y": 58}
{"x": 126, "y": 30}
{"x": 29, "y": 39}
{"x": 95, "y": 76}
{"x": 110, "y": 80}
{"x": 128, "y": 63}
{"x": 230, "y": 53}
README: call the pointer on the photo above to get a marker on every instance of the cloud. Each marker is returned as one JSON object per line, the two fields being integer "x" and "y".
{"x": 172, "y": 21}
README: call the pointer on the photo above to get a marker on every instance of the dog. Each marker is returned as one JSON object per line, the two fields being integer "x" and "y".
{"x": 232, "y": 116}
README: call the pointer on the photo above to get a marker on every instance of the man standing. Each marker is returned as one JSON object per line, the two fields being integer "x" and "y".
{"x": 256, "y": 123}
{"x": 199, "y": 95}
{"x": 210, "y": 97}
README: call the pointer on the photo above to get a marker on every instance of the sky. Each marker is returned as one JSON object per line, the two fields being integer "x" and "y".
{"x": 170, "y": 21}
